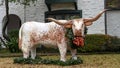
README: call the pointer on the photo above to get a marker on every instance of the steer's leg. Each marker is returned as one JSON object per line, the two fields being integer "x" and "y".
{"x": 62, "y": 48}
{"x": 25, "y": 52}
{"x": 26, "y": 45}
{"x": 33, "y": 53}
{"x": 74, "y": 52}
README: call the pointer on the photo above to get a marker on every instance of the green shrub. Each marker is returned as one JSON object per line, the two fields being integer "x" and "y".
{"x": 12, "y": 45}
{"x": 13, "y": 33}
{"x": 94, "y": 42}
{"x": 100, "y": 43}
{"x": 113, "y": 44}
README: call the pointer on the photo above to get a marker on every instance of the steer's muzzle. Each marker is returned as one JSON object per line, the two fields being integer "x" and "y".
{"x": 78, "y": 33}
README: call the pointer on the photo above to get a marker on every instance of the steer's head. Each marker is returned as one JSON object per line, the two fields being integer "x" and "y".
{"x": 77, "y": 25}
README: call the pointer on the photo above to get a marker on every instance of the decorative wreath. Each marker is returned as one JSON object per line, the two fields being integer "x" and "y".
{"x": 73, "y": 41}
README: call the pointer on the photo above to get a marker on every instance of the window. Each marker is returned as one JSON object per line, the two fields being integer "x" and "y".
{"x": 113, "y": 4}
{"x": 64, "y": 14}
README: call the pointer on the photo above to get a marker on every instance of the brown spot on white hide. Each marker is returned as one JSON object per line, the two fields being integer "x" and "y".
{"x": 34, "y": 38}
{"x": 53, "y": 34}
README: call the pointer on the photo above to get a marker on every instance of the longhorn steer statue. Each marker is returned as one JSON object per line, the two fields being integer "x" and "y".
{"x": 52, "y": 33}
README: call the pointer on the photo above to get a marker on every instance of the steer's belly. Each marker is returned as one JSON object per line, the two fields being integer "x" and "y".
{"x": 48, "y": 43}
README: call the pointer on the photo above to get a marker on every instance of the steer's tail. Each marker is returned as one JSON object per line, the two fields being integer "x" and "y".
{"x": 20, "y": 37}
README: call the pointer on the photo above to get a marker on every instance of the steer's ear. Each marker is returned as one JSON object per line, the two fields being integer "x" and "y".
{"x": 68, "y": 24}
{"x": 87, "y": 23}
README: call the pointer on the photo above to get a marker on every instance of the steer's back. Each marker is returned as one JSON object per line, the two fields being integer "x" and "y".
{"x": 41, "y": 33}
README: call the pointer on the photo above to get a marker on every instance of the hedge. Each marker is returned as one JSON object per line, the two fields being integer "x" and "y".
{"x": 100, "y": 43}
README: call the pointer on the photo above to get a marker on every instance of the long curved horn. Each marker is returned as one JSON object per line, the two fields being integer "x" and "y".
{"x": 54, "y": 20}
{"x": 96, "y": 17}
{"x": 66, "y": 24}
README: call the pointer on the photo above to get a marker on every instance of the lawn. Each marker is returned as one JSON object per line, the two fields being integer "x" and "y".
{"x": 89, "y": 61}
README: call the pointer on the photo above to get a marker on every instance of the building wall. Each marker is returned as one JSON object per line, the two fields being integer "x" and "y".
{"x": 13, "y": 9}
{"x": 36, "y": 13}
{"x": 113, "y": 23}
{"x": 90, "y": 9}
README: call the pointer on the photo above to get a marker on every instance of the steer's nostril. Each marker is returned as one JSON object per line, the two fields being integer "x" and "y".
{"x": 78, "y": 34}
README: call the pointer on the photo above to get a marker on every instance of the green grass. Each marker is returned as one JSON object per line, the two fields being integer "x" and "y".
{"x": 102, "y": 61}
{"x": 89, "y": 61}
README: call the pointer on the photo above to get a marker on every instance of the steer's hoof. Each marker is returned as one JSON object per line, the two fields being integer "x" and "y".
{"x": 74, "y": 58}
{"x": 63, "y": 60}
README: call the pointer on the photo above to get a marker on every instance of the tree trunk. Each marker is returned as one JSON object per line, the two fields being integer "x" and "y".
{"x": 6, "y": 21}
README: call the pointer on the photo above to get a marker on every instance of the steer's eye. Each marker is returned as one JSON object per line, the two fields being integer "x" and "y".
{"x": 74, "y": 25}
